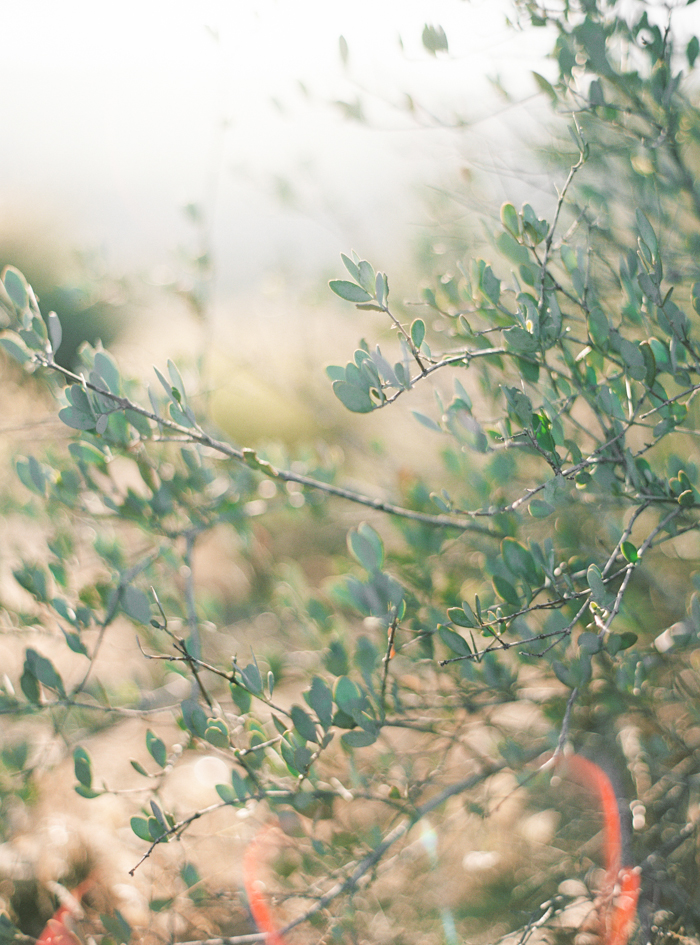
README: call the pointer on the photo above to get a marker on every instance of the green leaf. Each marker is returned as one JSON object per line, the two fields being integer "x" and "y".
{"x": 87, "y": 792}
{"x": 564, "y": 674}
{"x": 55, "y": 331}
{"x": 217, "y": 733}
{"x": 359, "y": 738}
{"x": 434, "y": 39}
{"x": 83, "y": 452}
{"x": 336, "y": 659}
{"x": 463, "y": 616}
{"x": 106, "y": 367}
{"x": 156, "y": 748}
{"x": 117, "y": 926}
{"x": 511, "y": 249}
{"x": 520, "y": 340}
{"x": 519, "y": 405}
{"x": 633, "y": 358}
{"x": 194, "y": 718}
{"x": 538, "y": 508}
{"x": 366, "y": 546}
{"x": 355, "y": 399}
{"x": 367, "y": 278}
{"x": 30, "y": 686}
{"x": 139, "y": 825}
{"x": 629, "y": 551}
{"x": 591, "y": 35}
{"x": 302, "y": 759}
{"x": 227, "y": 794}
{"x": 595, "y": 93}
{"x": 598, "y": 327}
{"x": 75, "y": 419}
{"x": 506, "y": 590}
{"x": 349, "y": 291}
{"x": 418, "y": 332}
{"x": 140, "y": 423}
{"x": 454, "y": 641}
{"x": 82, "y": 766}
{"x": 241, "y": 699}
{"x": 178, "y": 388}
{"x": 616, "y": 642}
{"x": 155, "y": 827}
{"x": 43, "y": 670}
{"x": 136, "y": 604}
{"x": 166, "y": 387}
{"x": 646, "y": 231}
{"x": 38, "y": 477}
{"x": 490, "y": 285}
{"x": 75, "y": 643}
{"x": 589, "y": 642}
{"x": 519, "y": 560}
{"x": 596, "y": 584}
{"x": 427, "y": 422}
{"x": 320, "y": 699}
{"x": 184, "y": 417}
{"x": 33, "y": 578}
{"x": 366, "y": 657}
{"x": 303, "y": 724}
{"x": 510, "y": 219}
{"x": 351, "y": 267}
{"x": 347, "y": 696}
{"x": 16, "y": 287}
{"x": 545, "y": 86}
{"x": 250, "y": 675}
{"x": 381, "y": 288}
{"x": 335, "y": 372}
{"x": 15, "y": 347}
{"x": 239, "y": 785}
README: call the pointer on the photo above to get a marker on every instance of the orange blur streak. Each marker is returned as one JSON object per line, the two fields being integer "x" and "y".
{"x": 621, "y": 909}
{"x": 619, "y": 914}
{"x": 619, "y": 924}
{"x": 56, "y": 930}
{"x": 595, "y": 780}
{"x": 256, "y": 901}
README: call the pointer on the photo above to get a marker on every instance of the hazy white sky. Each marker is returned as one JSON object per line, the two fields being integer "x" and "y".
{"x": 116, "y": 114}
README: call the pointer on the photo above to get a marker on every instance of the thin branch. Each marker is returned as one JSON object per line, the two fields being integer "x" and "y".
{"x": 176, "y": 829}
{"x": 124, "y": 580}
{"x": 352, "y": 881}
{"x": 194, "y": 663}
{"x": 388, "y": 656}
{"x": 629, "y": 569}
{"x": 407, "y": 338}
{"x": 249, "y": 458}
{"x": 502, "y": 644}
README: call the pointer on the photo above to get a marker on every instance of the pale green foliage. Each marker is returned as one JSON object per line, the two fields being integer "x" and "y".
{"x": 553, "y": 547}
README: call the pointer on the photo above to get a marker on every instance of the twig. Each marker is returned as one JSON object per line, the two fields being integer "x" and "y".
{"x": 249, "y": 458}
{"x": 124, "y": 580}
{"x": 352, "y": 881}
{"x": 388, "y": 656}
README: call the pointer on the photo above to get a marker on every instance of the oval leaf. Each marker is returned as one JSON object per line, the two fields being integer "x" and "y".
{"x": 349, "y": 291}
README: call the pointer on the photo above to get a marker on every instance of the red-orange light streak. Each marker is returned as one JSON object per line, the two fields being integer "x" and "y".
{"x": 622, "y": 883}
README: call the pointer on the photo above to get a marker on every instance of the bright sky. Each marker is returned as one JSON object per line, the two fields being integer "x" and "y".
{"x": 116, "y": 114}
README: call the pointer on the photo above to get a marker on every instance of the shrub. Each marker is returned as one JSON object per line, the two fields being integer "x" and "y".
{"x": 541, "y": 591}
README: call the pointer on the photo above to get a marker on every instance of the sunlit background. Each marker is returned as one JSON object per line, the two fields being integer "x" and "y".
{"x": 173, "y": 164}
{"x": 116, "y": 116}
